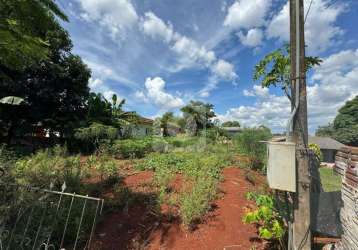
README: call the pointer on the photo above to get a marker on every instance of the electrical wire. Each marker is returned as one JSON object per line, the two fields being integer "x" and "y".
{"x": 308, "y": 11}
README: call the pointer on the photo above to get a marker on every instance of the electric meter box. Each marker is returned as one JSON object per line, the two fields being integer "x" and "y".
{"x": 281, "y": 167}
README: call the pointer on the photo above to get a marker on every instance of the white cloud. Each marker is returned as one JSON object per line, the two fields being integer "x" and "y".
{"x": 257, "y": 90}
{"x": 104, "y": 72}
{"x": 224, "y": 69}
{"x": 189, "y": 52}
{"x": 335, "y": 82}
{"x": 272, "y": 111}
{"x": 155, "y": 27}
{"x": 155, "y": 93}
{"x": 320, "y": 28}
{"x": 247, "y": 14}
{"x": 94, "y": 83}
{"x": 114, "y": 15}
{"x": 253, "y": 37}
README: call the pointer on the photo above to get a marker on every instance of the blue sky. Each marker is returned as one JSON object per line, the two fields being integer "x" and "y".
{"x": 160, "y": 54}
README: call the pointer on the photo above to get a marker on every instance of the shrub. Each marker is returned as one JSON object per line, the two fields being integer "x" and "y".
{"x": 49, "y": 165}
{"x": 316, "y": 150}
{"x": 248, "y": 143}
{"x": 132, "y": 148}
{"x": 91, "y": 137}
{"x": 267, "y": 217}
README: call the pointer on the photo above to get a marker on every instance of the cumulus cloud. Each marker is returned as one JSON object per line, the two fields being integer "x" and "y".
{"x": 334, "y": 82}
{"x": 272, "y": 111}
{"x": 320, "y": 28}
{"x": 155, "y": 27}
{"x": 252, "y": 38}
{"x": 257, "y": 90}
{"x": 247, "y": 14}
{"x": 155, "y": 92}
{"x": 114, "y": 15}
{"x": 189, "y": 52}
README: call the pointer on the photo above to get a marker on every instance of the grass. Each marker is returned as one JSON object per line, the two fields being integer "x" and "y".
{"x": 330, "y": 180}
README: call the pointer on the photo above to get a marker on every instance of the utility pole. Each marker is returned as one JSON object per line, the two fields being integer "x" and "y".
{"x": 301, "y": 201}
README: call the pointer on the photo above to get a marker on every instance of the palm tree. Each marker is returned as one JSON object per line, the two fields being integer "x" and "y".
{"x": 164, "y": 122}
{"x": 200, "y": 113}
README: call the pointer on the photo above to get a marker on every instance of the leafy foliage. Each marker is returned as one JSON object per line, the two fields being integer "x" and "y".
{"x": 267, "y": 217}
{"x": 345, "y": 125}
{"x": 316, "y": 150}
{"x": 132, "y": 148}
{"x": 231, "y": 124}
{"x": 92, "y": 136}
{"x": 274, "y": 68}
{"x": 23, "y": 25}
{"x": 197, "y": 116}
{"x": 164, "y": 122}
{"x": 249, "y": 144}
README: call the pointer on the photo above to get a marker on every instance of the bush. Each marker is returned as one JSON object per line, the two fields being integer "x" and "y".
{"x": 248, "y": 143}
{"x": 91, "y": 137}
{"x": 132, "y": 148}
{"x": 316, "y": 150}
{"x": 49, "y": 165}
{"x": 267, "y": 217}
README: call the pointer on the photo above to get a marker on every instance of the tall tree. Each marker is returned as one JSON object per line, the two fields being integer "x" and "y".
{"x": 200, "y": 113}
{"x": 164, "y": 122}
{"x": 23, "y": 28}
{"x": 274, "y": 69}
{"x": 55, "y": 89}
{"x": 345, "y": 125}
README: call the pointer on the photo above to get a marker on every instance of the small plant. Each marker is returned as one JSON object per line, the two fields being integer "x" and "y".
{"x": 266, "y": 216}
{"x": 316, "y": 150}
{"x": 195, "y": 202}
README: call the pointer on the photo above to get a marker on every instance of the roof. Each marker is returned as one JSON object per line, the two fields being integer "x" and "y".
{"x": 325, "y": 142}
{"x": 143, "y": 120}
{"x": 232, "y": 129}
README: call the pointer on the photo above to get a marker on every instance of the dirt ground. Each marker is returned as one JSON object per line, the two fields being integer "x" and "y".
{"x": 138, "y": 226}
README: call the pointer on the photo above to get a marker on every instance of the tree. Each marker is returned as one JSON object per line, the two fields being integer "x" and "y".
{"x": 101, "y": 110}
{"x": 164, "y": 122}
{"x": 274, "y": 69}
{"x": 23, "y": 28}
{"x": 199, "y": 113}
{"x": 325, "y": 130}
{"x": 55, "y": 89}
{"x": 231, "y": 124}
{"x": 345, "y": 125}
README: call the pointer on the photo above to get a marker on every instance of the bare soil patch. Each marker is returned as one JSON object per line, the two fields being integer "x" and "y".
{"x": 146, "y": 225}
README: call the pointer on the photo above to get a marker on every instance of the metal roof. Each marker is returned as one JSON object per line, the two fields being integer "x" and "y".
{"x": 325, "y": 142}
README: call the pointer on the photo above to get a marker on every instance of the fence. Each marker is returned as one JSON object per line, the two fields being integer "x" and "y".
{"x": 34, "y": 218}
{"x": 347, "y": 167}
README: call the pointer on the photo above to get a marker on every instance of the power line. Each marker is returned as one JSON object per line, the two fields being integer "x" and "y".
{"x": 308, "y": 11}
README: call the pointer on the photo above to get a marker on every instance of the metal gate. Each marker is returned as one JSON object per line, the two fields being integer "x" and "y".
{"x": 35, "y": 218}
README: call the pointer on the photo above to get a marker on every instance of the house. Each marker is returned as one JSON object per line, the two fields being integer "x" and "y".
{"x": 328, "y": 146}
{"x": 143, "y": 127}
{"x": 231, "y": 131}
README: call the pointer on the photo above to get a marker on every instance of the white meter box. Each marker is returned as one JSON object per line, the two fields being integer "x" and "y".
{"x": 281, "y": 167}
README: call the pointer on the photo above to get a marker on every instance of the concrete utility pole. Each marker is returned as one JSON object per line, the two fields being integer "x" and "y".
{"x": 301, "y": 203}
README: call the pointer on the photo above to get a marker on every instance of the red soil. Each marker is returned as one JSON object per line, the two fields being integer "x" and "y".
{"x": 139, "y": 227}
